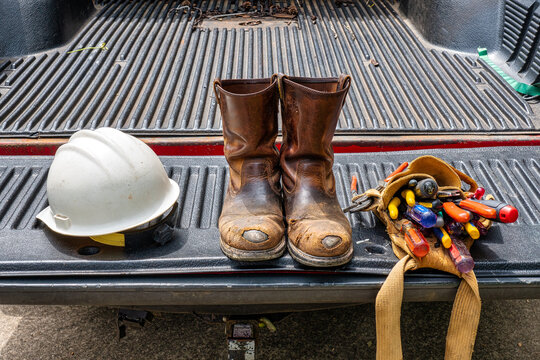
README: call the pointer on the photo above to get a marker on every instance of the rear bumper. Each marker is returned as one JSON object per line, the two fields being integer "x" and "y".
{"x": 274, "y": 291}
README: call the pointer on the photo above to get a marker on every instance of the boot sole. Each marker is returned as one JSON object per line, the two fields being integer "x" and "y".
{"x": 251, "y": 255}
{"x": 318, "y": 261}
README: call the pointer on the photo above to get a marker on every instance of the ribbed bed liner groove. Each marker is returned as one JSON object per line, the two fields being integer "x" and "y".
{"x": 156, "y": 78}
{"x": 26, "y": 247}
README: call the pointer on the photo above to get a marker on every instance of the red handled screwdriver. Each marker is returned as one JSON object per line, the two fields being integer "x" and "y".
{"x": 460, "y": 255}
{"x": 478, "y": 194}
{"x": 490, "y": 209}
{"x": 415, "y": 240}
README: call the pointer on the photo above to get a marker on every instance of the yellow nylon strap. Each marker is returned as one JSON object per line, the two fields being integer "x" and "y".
{"x": 463, "y": 321}
{"x": 388, "y": 312}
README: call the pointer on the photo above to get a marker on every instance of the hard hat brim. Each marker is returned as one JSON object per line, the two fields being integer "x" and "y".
{"x": 47, "y": 216}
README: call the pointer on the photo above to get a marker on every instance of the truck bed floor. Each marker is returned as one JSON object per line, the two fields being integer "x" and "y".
{"x": 156, "y": 76}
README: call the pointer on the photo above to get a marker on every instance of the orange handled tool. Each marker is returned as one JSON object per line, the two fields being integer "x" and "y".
{"x": 478, "y": 208}
{"x": 354, "y": 184}
{"x": 456, "y": 213}
{"x": 491, "y": 209}
{"x": 397, "y": 171}
{"x": 415, "y": 240}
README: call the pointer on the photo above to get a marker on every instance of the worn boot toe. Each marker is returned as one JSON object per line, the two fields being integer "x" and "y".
{"x": 320, "y": 242}
{"x": 331, "y": 241}
{"x": 252, "y": 238}
{"x": 255, "y": 236}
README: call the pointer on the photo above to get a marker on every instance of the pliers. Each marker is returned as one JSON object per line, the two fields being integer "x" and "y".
{"x": 364, "y": 201}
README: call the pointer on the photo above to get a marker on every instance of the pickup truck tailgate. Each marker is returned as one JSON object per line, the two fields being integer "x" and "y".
{"x": 32, "y": 257}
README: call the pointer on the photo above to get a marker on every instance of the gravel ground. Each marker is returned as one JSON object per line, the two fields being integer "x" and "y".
{"x": 508, "y": 330}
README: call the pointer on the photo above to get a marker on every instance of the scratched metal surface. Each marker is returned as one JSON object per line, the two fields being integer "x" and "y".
{"x": 156, "y": 78}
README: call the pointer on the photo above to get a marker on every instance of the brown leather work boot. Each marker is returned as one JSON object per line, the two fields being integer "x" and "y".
{"x": 251, "y": 222}
{"x": 318, "y": 231}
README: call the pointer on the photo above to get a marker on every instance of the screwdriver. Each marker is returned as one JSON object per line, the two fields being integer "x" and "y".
{"x": 443, "y": 236}
{"x": 460, "y": 255}
{"x": 456, "y": 213}
{"x": 409, "y": 197}
{"x": 490, "y": 209}
{"x": 478, "y": 194}
{"x": 393, "y": 208}
{"x": 440, "y": 220}
{"x": 454, "y": 228}
{"x": 472, "y": 230}
{"x": 422, "y": 216}
{"x": 433, "y": 205}
{"x": 415, "y": 240}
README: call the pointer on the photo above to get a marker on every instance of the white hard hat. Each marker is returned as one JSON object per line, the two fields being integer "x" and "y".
{"x": 105, "y": 181}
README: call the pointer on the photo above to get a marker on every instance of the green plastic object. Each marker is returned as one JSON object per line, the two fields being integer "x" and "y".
{"x": 522, "y": 88}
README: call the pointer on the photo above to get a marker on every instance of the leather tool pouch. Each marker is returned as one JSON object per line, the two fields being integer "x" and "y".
{"x": 466, "y": 310}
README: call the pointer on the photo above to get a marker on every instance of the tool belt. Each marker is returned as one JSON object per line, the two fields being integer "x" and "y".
{"x": 466, "y": 310}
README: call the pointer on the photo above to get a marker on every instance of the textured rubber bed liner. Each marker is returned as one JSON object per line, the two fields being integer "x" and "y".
{"x": 156, "y": 77}
{"x": 520, "y": 39}
{"x": 27, "y": 248}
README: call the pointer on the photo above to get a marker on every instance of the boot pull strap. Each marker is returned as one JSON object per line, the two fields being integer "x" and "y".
{"x": 280, "y": 77}
{"x": 217, "y": 83}
{"x": 343, "y": 81}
